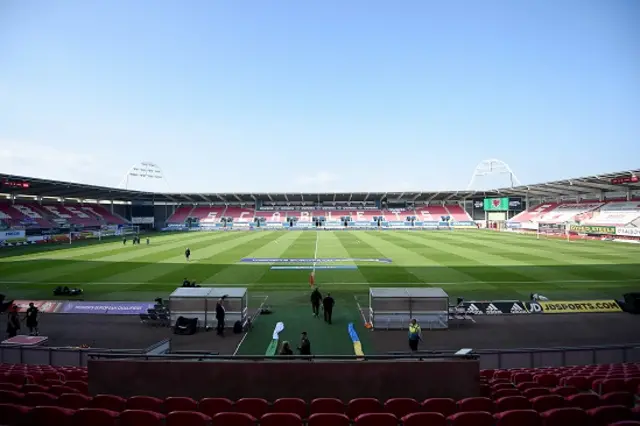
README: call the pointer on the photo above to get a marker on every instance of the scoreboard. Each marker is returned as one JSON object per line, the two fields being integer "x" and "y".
{"x": 10, "y": 183}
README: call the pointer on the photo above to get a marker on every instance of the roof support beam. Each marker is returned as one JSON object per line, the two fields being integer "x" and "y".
{"x": 221, "y": 198}
{"x": 285, "y": 197}
{"x": 238, "y": 198}
{"x": 435, "y": 194}
{"x": 416, "y": 197}
{"x": 367, "y": 196}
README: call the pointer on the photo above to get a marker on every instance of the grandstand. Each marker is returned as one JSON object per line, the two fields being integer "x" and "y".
{"x": 526, "y": 365}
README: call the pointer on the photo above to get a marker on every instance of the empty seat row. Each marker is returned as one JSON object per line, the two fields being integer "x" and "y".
{"x": 17, "y": 415}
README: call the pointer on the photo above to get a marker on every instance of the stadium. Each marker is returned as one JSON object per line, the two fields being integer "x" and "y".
{"x": 466, "y": 264}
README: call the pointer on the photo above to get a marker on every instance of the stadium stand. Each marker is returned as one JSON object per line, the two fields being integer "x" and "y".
{"x": 71, "y": 214}
{"x": 104, "y": 215}
{"x": 431, "y": 213}
{"x": 24, "y": 214}
{"x": 33, "y": 215}
{"x": 181, "y": 214}
{"x": 458, "y": 213}
{"x": 612, "y": 214}
{"x": 240, "y": 214}
{"x": 555, "y": 212}
{"x": 208, "y": 214}
{"x": 592, "y": 394}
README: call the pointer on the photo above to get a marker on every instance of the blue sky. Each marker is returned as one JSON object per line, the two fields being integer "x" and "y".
{"x": 328, "y": 95}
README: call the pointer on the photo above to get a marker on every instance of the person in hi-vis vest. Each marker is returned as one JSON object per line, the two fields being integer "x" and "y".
{"x": 415, "y": 335}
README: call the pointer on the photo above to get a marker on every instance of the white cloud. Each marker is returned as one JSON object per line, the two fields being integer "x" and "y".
{"x": 48, "y": 162}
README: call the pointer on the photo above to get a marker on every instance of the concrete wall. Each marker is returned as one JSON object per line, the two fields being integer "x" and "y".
{"x": 275, "y": 379}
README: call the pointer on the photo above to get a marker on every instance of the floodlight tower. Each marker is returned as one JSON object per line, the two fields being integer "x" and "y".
{"x": 495, "y": 168}
{"x": 144, "y": 173}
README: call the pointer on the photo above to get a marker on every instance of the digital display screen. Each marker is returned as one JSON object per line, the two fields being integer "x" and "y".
{"x": 15, "y": 184}
{"x": 624, "y": 179}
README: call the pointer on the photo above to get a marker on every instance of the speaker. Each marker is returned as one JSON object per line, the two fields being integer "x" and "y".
{"x": 632, "y": 303}
{"x": 187, "y": 326}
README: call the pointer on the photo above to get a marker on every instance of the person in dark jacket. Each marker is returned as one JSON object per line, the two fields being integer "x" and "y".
{"x": 187, "y": 253}
{"x": 305, "y": 344}
{"x": 286, "y": 349}
{"x": 13, "y": 322}
{"x": 316, "y": 298}
{"x": 32, "y": 320}
{"x": 327, "y": 304}
{"x": 220, "y": 314}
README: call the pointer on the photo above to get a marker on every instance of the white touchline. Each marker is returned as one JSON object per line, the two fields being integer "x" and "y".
{"x": 364, "y": 319}
{"x": 315, "y": 254}
{"x": 252, "y": 321}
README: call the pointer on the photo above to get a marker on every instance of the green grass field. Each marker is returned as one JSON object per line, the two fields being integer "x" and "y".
{"x": 473, "y": 264}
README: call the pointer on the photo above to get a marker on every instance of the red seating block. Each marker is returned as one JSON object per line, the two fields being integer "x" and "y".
{"x": 213, "y": 406}
{"x": 140, "y": 418}
{"x": 375, "y": 419}
{"x": 360, "y": 406}
{"x": 95, "y": 417}
{"x": 327, "y": 405}
{"x": 422, "y": 419}
{"x": 535, "y": 392}
{"x": 180, "y": 403}
{"x": 518, "y": 418}
{"x": 605, "y": 415}
{"x": 505, "y": 392}
{"x": 521, "y": 377}
{"x": 256, "y": 407}
{"x": 146, "y": 403}
{"x": 612, "y": 385}
{"x": 618, "y": 398}
{"x": 13, "y": 414}
{"x": 546, "y": 380}
{"x": 564, "y": 417}
{"x": 191, "y": 418}
{"x": 75, "y": 401}
{"x": 400, "y": 407}
{"x": 585, "y": 401}
{"x": 476, "y": 404}
{"x": 444, "y": 406}
{"x": 291, "y": 405}
{"x": 51, "y": 416}
{"x": 565, "y": 391}
{"x": 234, "y": 419}
{"x": 579, "y": 382}
{"x": 327, "y": 419}
{"x": 471, "y": 418}
{"x": 527, "y": 385}
{"x": 109, "y": 402}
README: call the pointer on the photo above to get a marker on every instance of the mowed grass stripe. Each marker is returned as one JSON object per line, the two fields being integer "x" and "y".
{"x": 304, "y": 246}
{"x": 274, "y": 247}
{"x": 330, "y": 244}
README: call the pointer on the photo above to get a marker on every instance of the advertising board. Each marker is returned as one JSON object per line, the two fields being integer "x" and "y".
{"x": 10, "y": 235}
{"x": 498, "y": 307}
{"x": 573, "y": 307}
{"x": 630, "y": 232}
{"x": 587, "y": 229}
{"x": 45, "y": 306}
{"x": 108, "y": 308}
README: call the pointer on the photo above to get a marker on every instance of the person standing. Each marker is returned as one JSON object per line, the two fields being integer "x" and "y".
{"x": 32, "y": 320}
{"x": 305, "y": 344}
{"x": 328, "y": 304}
{"x": 220, "y": 314}
{"x": 13, "y": 322}
{"x": 415, "y": 335}
{"x": 187, "y": 254}
{"x": 316, "y": 299}
{"x": 286, "y": 349}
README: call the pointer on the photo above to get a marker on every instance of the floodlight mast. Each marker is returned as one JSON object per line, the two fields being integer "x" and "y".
{"x": 144, "y": 170}
{"x": 493, "y": 167}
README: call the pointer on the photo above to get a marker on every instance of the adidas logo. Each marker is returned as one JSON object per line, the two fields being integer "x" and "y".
{"x": 473, "y": 309}
{"x": 491, "y": 309}
{"x": 516, "y": 309}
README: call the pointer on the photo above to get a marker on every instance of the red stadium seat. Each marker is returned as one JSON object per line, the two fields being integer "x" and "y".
{"x": 78, "y": 385}
{"x": 291, "y": 405}
{"x": 327, "y": 405}
{"x": 146, "y": 403}
{"x": 498, "y": 386}
{"x": 60, "y": 389}
{"x": 328, "y": 419}
{"x": 612, "y": 385}
{"x": 605, "y": 415}
{"x": 376, "y": 419}
{"x": 400, "y": 407}
{"x": 535, "y": 392}
{"x": 505, "y": 392}
{"x": 256, "y": 407}
{"x": 280, "y": 419}
{"x": 586, "y": 401}
{"x": 512, "y": 403}
{"x": 626, "y": 423}
{"x": 11, "y": 397}
{"x": 140, "y": 418}
{"x": 547, "y": 402}
{"x": 518, "y": 418}
{"x": 360, "y": 406}
{"x": 13, "y": 414}
{"x": 10, "y": 387}
{"x": 444, "y": 406}
{"x": 75, "y": 401}
{"x": 618, "y": 398}
{"x": 180, "y": 403}
{"x": 51, "y": 416}
{"x": 95, "y": 417}
{"x": 521, "y": 377}
{"x": 476, "y": 404}
{"x": 109, "y": 402}
{"x": 213, "y": 406}
{"x": 527, "y": 385}
{"x": 471, "y": 418}
{"x": 190, "y": 418}
{"x": 421, "y": 419}
{"x": 34, "y": 388}
{"x": 34, "y": 399}
{"x": 565, "y": 417}
{"x": 579, "y": 382}
{"x": 546, "y": 380}
{"x": 564, "y": 391}
{"x": 234, "y": 419}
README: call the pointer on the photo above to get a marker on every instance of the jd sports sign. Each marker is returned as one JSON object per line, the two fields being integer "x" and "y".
{"x": 573, "y": 307}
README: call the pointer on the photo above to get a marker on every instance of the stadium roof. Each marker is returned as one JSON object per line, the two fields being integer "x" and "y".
{"x": 551, "y": 190}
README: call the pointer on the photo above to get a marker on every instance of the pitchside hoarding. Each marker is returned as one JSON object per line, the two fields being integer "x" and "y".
{"x": 629, "y": 232}
{"x": 10, "y": 235}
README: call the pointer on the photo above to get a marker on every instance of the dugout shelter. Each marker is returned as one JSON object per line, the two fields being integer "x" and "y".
{"x": 393, "y": 308}
{"x": 200, "y": 303}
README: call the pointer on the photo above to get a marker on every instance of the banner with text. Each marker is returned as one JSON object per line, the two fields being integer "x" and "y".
{"x": 497, "y": 307}
{"x": 630, "y": 232}
{"x": 587, "y": 229}
{"x": 10, "y": 235}
{"x": 46, "y": 306}
{"x": 108, "y": 308}
{"x": 573, "y": 307}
